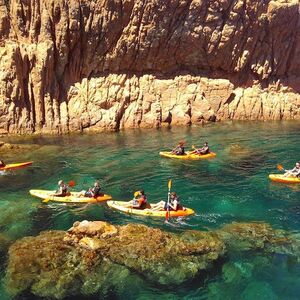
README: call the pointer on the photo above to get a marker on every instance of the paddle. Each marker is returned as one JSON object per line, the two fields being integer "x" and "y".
{"x": 168, "y": 208}
{"x": 280, "y": 167}
{"x": 70, "y": 184}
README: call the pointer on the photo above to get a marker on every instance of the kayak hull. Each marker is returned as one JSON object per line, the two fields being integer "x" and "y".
{"x": 15, "y": 166}
{"x": 282, "y": 179}
{"x": 189, "y": 155}
{"x": 72, "y": 198}
{"x": 121, "y": 206}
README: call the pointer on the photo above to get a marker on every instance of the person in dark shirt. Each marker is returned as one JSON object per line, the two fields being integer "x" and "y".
{"x": 95, "y": 191}
{"x": 179, "y": 149}
{"x": 174, "y": 204}
{"x": 63, "y": 189}
{"x": 202, "y": 151}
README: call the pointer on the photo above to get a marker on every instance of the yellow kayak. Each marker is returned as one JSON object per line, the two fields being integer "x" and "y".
{"x": 122, "y": 206}
{"x": 281, "y": 178}
{"x": 15, "y": 166}
{"x": 74, "y": 197}
{"x": 188, "y": 155}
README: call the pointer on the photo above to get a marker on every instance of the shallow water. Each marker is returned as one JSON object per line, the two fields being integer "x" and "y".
{"x": 232, "y": 187}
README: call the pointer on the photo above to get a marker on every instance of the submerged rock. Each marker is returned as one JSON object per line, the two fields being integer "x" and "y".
{"x": 236, "y": 150}
{"x": 91, "y": 255}
{"x": 248, "y": 236}
{"x": 9, "y": 148}
{"x": 259, "y": 290}
{"x": 56, "y": 264}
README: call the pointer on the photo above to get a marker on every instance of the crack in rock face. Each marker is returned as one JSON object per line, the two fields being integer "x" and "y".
{"x": 106, "y": 65}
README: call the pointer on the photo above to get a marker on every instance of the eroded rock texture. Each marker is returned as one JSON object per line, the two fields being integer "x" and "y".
{"x": 94, "y": 256}
{"x": 71, "y": 65}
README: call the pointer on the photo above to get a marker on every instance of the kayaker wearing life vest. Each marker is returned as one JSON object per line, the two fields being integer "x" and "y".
{"x": 295, "y": 172}
{"x": 94, "y": 191}
{"x": 202, "y": 151}
{"x": 63, "y": 189}
{"x": 174, "y": 204}
{"x": 2, "y": 164}
{"x": 139, "y": 201}
{"x": 179, "y": 150}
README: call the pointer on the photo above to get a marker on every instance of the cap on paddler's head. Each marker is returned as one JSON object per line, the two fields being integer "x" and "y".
{"x": 60, "y": 182}
{"x": 137, "y": 193}
{"x": 181, "y": 143}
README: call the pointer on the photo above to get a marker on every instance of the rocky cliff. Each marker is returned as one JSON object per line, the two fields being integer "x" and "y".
{"x": 71, "y": 65}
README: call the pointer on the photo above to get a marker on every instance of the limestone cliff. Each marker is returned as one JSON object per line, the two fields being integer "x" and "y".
{"x": 71, "y": 65}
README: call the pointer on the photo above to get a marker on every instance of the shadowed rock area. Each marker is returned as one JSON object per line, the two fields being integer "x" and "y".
{"x": 105, "y": 65}
{"x": 90, "y": 255}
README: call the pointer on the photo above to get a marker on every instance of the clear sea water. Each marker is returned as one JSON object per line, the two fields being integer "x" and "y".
{"x": 232, "y": 187}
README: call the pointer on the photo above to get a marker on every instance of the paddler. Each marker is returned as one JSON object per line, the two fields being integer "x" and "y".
{"x": 2, "y": 164}
{"x": 179, "y": 149}
{"x": 139, "y": 201}
{"x": 295, "y": 172}
{"x": 202, "y": 151}
{"x": 63, "y": 189}
{"x": 174, "y": 204}
{"x": 94, "y": 191}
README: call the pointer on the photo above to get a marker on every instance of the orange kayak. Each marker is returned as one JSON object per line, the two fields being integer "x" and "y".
{"x": 74, "y": 197}
{"x": 123, "y": 207}
{"x": 16, "y": 166}
{"x": 282, "y": 179}
{"x": 189, "y": 155}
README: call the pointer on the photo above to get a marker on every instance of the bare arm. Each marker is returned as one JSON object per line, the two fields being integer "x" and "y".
{"x": 174, "y": 205}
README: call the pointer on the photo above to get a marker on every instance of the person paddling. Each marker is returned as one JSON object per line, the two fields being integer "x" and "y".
{"x": 173, "y": 205}
{"x": 139, "y": 201}
{"x": 2, "y": 164}
{"x": 94, "y": 191}
{"x": 295, "y": 172}
{"x": 63, "y": 189}
{"x": 179, "y": 149}
{"x": 202, "y": 151}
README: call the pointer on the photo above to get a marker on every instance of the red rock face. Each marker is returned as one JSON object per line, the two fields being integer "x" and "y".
{"x": 71, "y": 65}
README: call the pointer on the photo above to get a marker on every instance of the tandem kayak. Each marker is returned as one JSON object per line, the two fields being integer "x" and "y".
{"x": 15, "y": 166}
{"x": 188, "y": 155}
{"x": 281, "y": 178}
{"x": 121, "y": 206}
{"x": 74, "y": 197}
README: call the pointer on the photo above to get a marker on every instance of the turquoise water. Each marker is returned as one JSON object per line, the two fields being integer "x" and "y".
{"x": 232, "y": 187}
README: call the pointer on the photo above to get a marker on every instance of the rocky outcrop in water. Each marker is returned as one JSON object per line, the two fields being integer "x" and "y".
{"x": 71, "y": 65}
{"x": 94, "y": 255}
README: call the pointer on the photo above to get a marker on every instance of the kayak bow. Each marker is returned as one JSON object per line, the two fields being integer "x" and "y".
{"x": 15, "y": 166}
